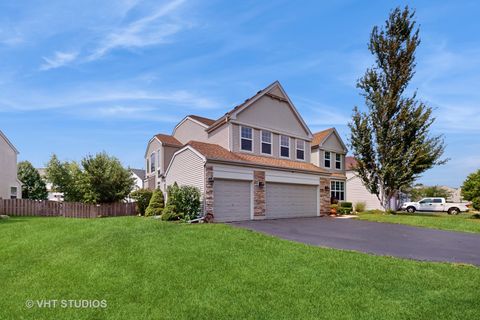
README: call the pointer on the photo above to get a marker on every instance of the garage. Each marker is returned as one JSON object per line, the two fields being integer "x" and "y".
{"x": 285, "y": 200}
{"x": 232, "y": 200}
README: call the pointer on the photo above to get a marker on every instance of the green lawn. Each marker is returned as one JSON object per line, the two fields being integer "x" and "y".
{"x": 148, "y": 269}
{"x": 463, "y": 222}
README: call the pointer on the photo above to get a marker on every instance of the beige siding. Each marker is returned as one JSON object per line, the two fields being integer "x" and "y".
{"x": 356, "y": 192}
{"x": 8, "y": 170}
{"x": 274, "y": 115}
{"x": 187, "y": 168}
{"x": 333, "y": 144}
{"x": 167, "y": 156}
{"x": 220, "y": 136}
{"x": 332, "y": 161}
{"x": 314, "y": 157}
{"x": 153, "y": 146}
{"x": 190, "y": 130}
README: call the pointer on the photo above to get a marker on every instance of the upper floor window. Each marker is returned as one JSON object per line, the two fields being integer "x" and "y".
{"x": 338, "y": 161}
{"x": 246, "y": 141}
{"x": 327, "y": 159}
{"x": 148, "y": 166}
{"x": 284, "y": 146}
{"x": 300, "y": 149}
{"x": 152, "y": 162}
{"x": 266, "y": 142}
{"x": 13, "y": 193}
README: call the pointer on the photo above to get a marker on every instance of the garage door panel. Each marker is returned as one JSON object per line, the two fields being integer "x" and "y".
{"x": 232, "y": 199}
{"x": 290, "y": 200}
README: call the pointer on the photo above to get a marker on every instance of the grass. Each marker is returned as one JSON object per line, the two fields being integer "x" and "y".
{"x": 463, "y": 222}
{"x": 148, "y": 269}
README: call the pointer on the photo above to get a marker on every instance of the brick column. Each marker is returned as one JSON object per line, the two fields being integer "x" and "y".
{"x": 259, "y": 194}
{"x": 324, "y": 196}
{"x": 209, "y": 190}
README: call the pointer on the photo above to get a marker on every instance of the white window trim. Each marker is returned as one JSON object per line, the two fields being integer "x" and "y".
{"x": 154, "y": 164}
{"x": 296, "y": 149}
{"x": 253, "y": 147}
{"x": 341, "y": 162}
{"x": 344, "y": 189}
{"x": 324, "y": 158}
{"x": 262, "y": 142}
{"x": 280, "y": 146}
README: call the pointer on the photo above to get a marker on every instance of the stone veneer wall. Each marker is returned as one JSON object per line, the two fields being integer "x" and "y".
{"x": 324, "y": 196}
{"x": 258, "y": 194}
{"x": 209, "y": 190}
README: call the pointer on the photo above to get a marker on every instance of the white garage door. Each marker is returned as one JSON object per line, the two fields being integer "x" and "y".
{"x": 231, "y": 200}
{"x": 290, "y": 200}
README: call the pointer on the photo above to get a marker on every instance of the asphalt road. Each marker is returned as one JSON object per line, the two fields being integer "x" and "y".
{"x": 375, "y": 238}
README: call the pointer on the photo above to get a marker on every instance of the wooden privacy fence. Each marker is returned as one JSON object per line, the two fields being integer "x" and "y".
{"x": 45, "y": 208}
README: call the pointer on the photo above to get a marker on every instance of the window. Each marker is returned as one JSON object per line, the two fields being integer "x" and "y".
{"x": 13, "y": 192}
{"x": 152, "y": 162}
{"x": 425, "y": 201}
{"x": 148, "y": 166}
{"x": 300, "y": 149}
{"x": 284, "y": 146}
{"x": 338, "y": 161}
{"x": 266, "y": 142}
{"x": 437, "y": 200}
{"x": 246, "y": 143}
{"x": 327, "y": 159}
{"x": 337, "y": 190}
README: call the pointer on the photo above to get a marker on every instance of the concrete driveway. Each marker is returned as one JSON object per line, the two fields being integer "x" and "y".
{"x": 375, "y": 238}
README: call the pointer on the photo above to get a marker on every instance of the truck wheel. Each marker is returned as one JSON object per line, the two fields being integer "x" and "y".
{"x": 453, "y": 211}
{"x": 411, "y": 209}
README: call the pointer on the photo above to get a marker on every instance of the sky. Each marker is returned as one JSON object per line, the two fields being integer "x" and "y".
{"x": 80, "y": 77}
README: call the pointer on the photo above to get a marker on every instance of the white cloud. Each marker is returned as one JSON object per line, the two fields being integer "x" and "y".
{"x": 59, "y": 59}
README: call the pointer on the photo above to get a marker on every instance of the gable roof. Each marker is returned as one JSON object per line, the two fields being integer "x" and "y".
{"x": 206, "y": 121}
{"x": 168, "y": 140}
{"x": 8, "y": 142}
{"x": 320, "y": 137}
{"x": 215, "y": 152}
{"x": 139, "y": 173}
{"x": 275, "y": 91}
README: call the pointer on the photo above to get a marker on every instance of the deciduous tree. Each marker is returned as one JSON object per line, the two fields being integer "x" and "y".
{"x": 33, "y": 186}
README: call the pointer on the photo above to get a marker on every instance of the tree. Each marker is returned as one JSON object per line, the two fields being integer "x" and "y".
{"x": 471, "y": 189}
{"x": 391, "y": 141}
{"x": 33, "y": 186}
{"x": 142, "y": 197}
{"x": 99, "y": 179}
{"x": 156, "y": 205}
{"x": 418, "y": 192}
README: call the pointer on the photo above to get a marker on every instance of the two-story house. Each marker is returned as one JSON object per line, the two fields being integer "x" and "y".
{"x": 10, "y": 186}
{"x": 258, "y": 161}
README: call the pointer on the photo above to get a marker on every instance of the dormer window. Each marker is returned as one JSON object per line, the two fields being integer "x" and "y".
{"x": 246, "y": 143}
{"x": 266, "y": 142}
{"x": 338, "y": 161}
{"x": 300, "y": 150}
{"x": 327, "y": 159}
{"x": 285, "y": 146}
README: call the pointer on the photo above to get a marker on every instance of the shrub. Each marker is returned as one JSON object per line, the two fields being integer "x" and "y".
{"x": 170, "y": 213}
{"x": 156, "y": 205}
{"x": 142, "y": 198}
{"x": 345, "y": 208}
{"x": 360, "y": 206}
{"x": 185, "y": 200}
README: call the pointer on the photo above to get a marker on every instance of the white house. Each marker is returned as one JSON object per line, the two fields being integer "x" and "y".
{"x": 10, "y": 186}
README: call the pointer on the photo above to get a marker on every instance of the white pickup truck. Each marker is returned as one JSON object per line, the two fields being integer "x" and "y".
{"x": 436, "y": 205}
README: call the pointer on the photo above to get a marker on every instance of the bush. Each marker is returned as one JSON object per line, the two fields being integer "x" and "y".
{"x": 360, "y": 206}
{"x": 345, "y": 208}
{"x": 185, "y": 201}
{"x": 170, "y": 213}
{"x": 142, "y": 198}
{"x": 156, "y": 205}
{"x": 345, "y": 204}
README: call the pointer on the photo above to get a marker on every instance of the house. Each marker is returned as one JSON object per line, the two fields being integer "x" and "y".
{"x": 52, "y": 194}
{"x": 257, "y": 161}
{"x": 139, "y": 176}
{"x": 10, "y": 186}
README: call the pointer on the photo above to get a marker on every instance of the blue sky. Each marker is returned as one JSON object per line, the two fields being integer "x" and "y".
{"x": 78, "y": 77}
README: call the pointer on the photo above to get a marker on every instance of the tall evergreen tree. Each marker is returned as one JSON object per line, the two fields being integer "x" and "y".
{"x": 391, "y": 141}
{"x": 33, "y": 186}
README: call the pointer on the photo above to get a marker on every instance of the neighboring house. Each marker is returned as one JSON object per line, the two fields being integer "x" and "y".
{"x": 455, "y": 194}
{"x": 254, "y": 162}
{"x": 52, "y": 195}
{"x": 357, "y": 192}
{"x": 139, "y": 176}
{"x": 10, "y": 186}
